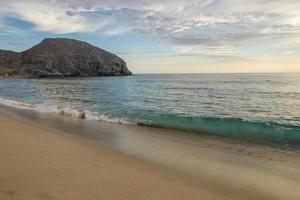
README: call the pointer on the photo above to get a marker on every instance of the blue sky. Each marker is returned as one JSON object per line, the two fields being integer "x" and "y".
{"x": 178, "y": 36}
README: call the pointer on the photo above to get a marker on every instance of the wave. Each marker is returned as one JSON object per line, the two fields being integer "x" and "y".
{"x": 268, "y": 132}
{"x": 16, "y": 104}
{"x": 86, "y": 114}
{"x": 65, "y": 111}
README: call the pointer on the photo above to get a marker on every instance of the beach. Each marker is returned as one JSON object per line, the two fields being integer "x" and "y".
{"x": 39, "y": 164}
{"x": 150, "y": 100}
{"x": 40, "y": 161}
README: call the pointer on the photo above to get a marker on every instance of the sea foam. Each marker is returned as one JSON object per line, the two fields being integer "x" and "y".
{"x": 16, "y": 104}
{"x": 65, "y": 111}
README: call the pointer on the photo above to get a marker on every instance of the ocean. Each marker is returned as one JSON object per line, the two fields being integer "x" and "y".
{"x": 253, "y": 107}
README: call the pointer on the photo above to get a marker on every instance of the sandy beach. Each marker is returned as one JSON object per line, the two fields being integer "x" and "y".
{"x": 149, "y": 100}
{"x": 42, "y": 163}
{"x": 37, "y": 164}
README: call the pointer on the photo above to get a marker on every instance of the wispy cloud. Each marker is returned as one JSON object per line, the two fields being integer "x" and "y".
{"x": 289, "y": 52}
{"x": 204, "y": 28}
{"x": 52, "y": 16}
{"x": 115, "y": 31}
{"x": 175, "y": 19}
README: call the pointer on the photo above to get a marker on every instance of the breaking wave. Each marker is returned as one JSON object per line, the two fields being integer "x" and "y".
{"x": 65, "y": 111}
{"x": 270, "y": 132}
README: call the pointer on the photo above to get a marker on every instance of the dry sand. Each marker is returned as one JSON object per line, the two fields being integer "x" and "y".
{"x": 41, "y": 163}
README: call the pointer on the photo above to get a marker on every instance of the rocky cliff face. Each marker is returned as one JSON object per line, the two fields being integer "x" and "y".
{"x": 61, "y": 57}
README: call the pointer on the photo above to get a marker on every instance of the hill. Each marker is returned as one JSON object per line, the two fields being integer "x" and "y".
{"x": 61, "y": 57}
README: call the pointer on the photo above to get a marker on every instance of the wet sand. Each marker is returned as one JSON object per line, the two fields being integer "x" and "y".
{"x": 42, "y": 162}
{"x": 39, "y": 164}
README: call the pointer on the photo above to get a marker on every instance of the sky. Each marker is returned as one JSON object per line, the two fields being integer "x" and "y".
{"x": 166, "y": 36}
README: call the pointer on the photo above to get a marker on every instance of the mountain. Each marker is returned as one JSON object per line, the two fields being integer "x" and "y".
{"x": 61, "y": 57}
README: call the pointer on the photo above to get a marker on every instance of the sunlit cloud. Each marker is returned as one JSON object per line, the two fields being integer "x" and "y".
{"x": 174, "y": 19}
{"x": 210, "y": 29}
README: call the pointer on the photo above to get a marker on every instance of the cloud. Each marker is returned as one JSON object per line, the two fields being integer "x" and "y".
{"x": 115, "y": 31}
{"x": 183, "y": 22}
{"x": 217, "y": 53}
{"x": 289, "y": 52}
{"x": 52, "y": 16}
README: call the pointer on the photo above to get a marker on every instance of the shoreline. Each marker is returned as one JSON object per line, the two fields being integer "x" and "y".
{"x": 284, "y": 141}
{"x": 216, "y": 168}
{"x": 37, "y": 163}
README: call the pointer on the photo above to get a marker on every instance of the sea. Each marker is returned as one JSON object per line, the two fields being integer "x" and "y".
{"x": 250, "y": 107}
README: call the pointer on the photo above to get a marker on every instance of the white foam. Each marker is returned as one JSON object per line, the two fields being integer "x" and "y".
{"x": 66, "y": 111}
{"x": 45, "y": 108}
{"x": 69, "y": 112}
{"x": 119, "y": 120}
{"x": 16, "y": 104}
{"x": 86, "y": 114}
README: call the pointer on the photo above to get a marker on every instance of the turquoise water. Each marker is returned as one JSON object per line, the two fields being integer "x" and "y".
{"x": 262, "y": 107}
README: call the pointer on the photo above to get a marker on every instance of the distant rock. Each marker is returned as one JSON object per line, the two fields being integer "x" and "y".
{"x": 61, "y": 57}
